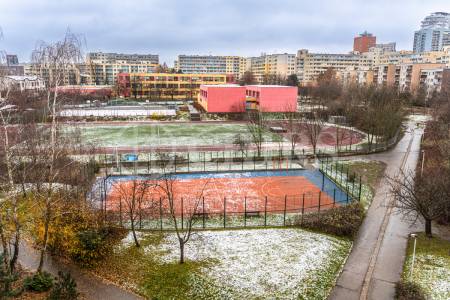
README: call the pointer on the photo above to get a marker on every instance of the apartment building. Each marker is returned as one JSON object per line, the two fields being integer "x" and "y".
{"x": 103, "y": 68}
{"x": 165, "y": 85}
{"x": 209, "y": 64}
{"x": 22, "y": 83}
{"x": 363, "y": 42}
{"x": 434, "y": 33}
{"x": 311, "y": 65}
{"x": 408, "y": 77}
{"x": 261, "y": 66}
{"x": 73, "y": 75}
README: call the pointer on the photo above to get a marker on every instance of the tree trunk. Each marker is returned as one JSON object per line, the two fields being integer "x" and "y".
{"x": 428, "y": 228}
{"x": 45, "y": 240}
{"x": 181, "y": 251}
{"x": 134, "y": 233}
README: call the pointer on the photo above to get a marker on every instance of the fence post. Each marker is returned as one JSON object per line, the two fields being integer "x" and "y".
{"x": 360, "y": 185}
{"x": 224, "y": 212}
{"x": 148, "y": 165}
{"x": 265, "y": 212}
{"x": 182, "y": 214}
{"x": 175, "y": 163}
{"x": 203, "y": 207}
{"x": 204, "y": 161}
{"x": 140, "y": 215}
{"x": 284, "y": 215}
{"x": 353, "y": 184}
{"x": 160, "y": 213}
{"x": 320, "y": 198}
{"x": 120, "y": 212}
{"x": 245, "y": 211}
{"x": 334, "y": 197}
{"x": 346, "y": 190}
{"x": 323, "y": 180}
{"x": 189, "y": 162}
{"x": 303, "y": 207}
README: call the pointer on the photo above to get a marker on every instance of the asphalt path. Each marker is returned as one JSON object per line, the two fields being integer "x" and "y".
{"x": 376, "y": 261}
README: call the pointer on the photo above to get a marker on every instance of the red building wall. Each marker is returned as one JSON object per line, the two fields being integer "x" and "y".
{"x": 363, "y": 43}
{"x": 222, "y": 99}
{"x": 274, "y": 98}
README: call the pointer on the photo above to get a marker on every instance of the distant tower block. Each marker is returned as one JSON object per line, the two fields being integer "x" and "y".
{"x": 363, "y": 42}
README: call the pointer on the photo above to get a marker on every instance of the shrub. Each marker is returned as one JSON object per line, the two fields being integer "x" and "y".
{"x": 6, "y": 281}
{"x": 39, "y": 282}
{"x": 342, "y": 221}
{"x": 408, "y": 291}
{"x": 89, "y": 248}
{"x": 65, "y": 288}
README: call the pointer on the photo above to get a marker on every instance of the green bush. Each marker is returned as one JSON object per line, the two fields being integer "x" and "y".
{"x": 408, "y": 291}
{"x": 39, "y": 282}
{"x": 91, "y": 246}
{"x": 65, "y": 288}
{"x": 342, "y": 221}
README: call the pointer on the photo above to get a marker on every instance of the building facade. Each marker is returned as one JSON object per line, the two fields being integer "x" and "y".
{"x": 266, "y": 65}
{"x": 103, "y": 68}
{"x": 22, "y": 83}
{"x": 239, "y": 99}
{"x": 311, "y": 65}
{"x": 209, "y": 64}
{"x": 165, "y": 85}
{"x": 434, "y": 33}
{"x": 364, "y": 42}
{"x": 228, "y": 98}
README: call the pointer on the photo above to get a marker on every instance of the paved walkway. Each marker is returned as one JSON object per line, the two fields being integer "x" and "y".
{"x": 90, "y": 286}
{"x": 376, "y": 261}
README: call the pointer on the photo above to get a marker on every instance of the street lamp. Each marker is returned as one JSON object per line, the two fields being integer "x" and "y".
{"x": 414, "y": 236}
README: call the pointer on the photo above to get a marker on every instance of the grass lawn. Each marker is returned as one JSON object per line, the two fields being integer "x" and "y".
{"x": 431, "y": 267}
{"x": 233, "y": 264}
{"x": 166, "y": 135}
{"x": 371, "y": 172}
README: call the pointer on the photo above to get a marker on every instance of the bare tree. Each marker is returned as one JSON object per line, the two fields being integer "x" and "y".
{"x": 256, "y": 127}
{"x": 9, "y": 198}
{"x": 421, "y": 196}
{"x": 133, "y": 194}
{"x": 190, "y": 210}
{"x": 313, "y": 126}
{"x": 57, "y": 58}
{"x": 293, "y": 127}
{"x": 241, "y": 143}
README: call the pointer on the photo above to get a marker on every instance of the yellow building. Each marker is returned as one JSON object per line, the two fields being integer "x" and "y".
{"x": 164, "y": 85}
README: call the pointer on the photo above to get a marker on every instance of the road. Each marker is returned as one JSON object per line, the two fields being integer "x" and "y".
{"x": 376, "y": 261}
{"x": 91, "y": 287}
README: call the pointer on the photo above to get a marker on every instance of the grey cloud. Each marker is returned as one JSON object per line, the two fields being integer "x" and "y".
{"x": 242, "y": 27}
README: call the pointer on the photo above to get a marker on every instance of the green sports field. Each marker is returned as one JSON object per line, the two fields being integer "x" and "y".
{"x": 165, "y": 134}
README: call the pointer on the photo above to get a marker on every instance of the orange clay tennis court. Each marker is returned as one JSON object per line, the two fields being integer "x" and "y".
{"x": 247, "y": 191}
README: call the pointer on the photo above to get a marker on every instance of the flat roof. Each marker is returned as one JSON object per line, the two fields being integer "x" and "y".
{"x": 222, "y": 85}
{"x": 271, "y": 86}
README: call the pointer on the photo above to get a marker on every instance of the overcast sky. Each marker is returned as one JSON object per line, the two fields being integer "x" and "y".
{"x": 233, "y": 27}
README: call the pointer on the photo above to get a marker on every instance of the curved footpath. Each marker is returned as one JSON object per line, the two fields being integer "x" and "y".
{"x": 376, "y": 261}
{"x": 90, "y": 286}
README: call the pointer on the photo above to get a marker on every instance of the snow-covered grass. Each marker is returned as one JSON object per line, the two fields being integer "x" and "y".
{"x": 166, "y": 135}
{"x": 265, "y": 263}
{"x": 370, "y": 171}
{"x": 431, "y": 267}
